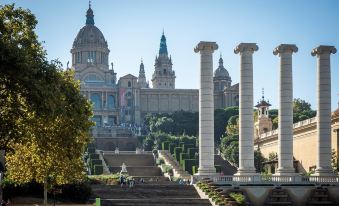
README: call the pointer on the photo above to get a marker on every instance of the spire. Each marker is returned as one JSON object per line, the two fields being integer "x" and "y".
{"x": 142, "y": 67}
{"x": 263, "y": 94}
{"x": 163, "y": 46}
{"x": 89, "y": 15}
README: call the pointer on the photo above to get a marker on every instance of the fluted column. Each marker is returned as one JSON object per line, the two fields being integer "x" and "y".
{"x": 246, "y": 122}
{"x": 285, "y": 125}
{"x": 323, "y": 109}
{"x": 206, "y": 108}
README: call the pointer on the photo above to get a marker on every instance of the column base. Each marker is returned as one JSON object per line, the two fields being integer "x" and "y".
{"x": 324, "y": 172}
{"x": 210, "y": 171}
{"x": 285, "y": 171}
{"x": 246, "y": 172}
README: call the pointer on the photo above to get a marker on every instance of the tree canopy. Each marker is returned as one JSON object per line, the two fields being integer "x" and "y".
{"x": 44, "y": 119}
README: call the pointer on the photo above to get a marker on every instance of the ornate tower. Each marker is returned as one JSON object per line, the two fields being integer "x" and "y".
{"x": 264, "y": 123}
{"x": 142, "y": 77}
{"x": 221, "y": 79}
{"x": 163, "y": 76}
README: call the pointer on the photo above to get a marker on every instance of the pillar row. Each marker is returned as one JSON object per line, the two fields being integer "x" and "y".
{"x": 206, "y": 109}
{"x": 285, "y": 124}
{"x": 323, "y": 109}
{"x": 246, "y": 122}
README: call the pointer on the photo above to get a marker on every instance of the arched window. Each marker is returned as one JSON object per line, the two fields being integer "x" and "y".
{"x": 111, "y": 102}
{"x": 129, "y": 84}
{"x": 93, "y": 78}
{"x": 96, "y": 99}
{"x": 97, "y": 120}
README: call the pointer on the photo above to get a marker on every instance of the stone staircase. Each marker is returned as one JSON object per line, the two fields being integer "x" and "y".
{"x": 278, "y": 196}
{"x": 177, "y": 170}
{"x": 149, "y": 194}
{"x": 226, "y": 167}
{"x": 320, "y": 196}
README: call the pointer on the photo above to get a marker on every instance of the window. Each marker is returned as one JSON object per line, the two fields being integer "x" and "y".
{"x": 112, "y": 120}
{"x": 129, "y": 102}
{"x": 96, "y": 99}
{"x": 97, "y": 120}
{"x": 111, "y": 102}
{"x": 129, "y": 84}
{"x": 93, "y": 78}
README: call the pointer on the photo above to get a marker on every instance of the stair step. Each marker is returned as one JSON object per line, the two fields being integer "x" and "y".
{"x": 320, "y": 203}
{"x": 278, "y": 203}
{"x": 156, "y": 201}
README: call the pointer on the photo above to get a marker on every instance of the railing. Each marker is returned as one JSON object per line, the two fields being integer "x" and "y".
{"x": 276, "y": 180}
{"x": 125, "y": 152}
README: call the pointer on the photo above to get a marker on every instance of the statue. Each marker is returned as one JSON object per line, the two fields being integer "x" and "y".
{"x": 123, "y": 169}
{"x": 67, "y": 64}
{"x": 139, "y": 131}
{"x": 137, "y": 151}
{"x": 116, "y": 151}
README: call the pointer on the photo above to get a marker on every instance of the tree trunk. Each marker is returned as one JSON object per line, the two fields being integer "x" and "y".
{"x": 45, "y": 192}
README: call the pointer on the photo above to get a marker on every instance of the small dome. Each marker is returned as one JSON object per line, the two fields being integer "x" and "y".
{"x": 221, "y": 71}
{"x": 90, "y": 35}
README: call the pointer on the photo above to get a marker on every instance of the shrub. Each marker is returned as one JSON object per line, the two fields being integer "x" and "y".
{"x": 165, "y": 145}
{"x": 194, "y": 169}
{"x": 177, "y": 152}
{"x": 159, "y": 161}
{"x": 98, "y": 169}
{"x": 187, "y": 165}
{"x": 91, "y": 150}
{"x": 94, "y": 162}
{"x": 239, "y": 198}
{"x": 192, "y": 151}
{"x": 76, "y": 193}
{"x": 187, "y": 146}
{"x": 183, "y": 156}
{"x": 171, "y": 147}
{"x": 93, "y": 156}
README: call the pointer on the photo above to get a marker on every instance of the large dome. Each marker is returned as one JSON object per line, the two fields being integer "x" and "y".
{"x": 90, "y": 36}
{"x": 221, "y": 72}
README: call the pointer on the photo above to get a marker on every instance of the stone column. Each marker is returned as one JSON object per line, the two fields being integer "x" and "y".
{"x": 323, "y": 109}
{"x": 206, "y": 109}
{"x": 246, "y": 122}
{"x": 285, "y": 125}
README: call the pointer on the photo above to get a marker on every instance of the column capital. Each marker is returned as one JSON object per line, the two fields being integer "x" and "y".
{"x": 246, "y": 47}
{"x": 206, "y": 46}
{"x": 323, "y": 49}
{"x": 285, "y": 48}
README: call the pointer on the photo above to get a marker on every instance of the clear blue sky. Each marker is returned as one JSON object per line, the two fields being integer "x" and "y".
{"x": 133, "y": 29}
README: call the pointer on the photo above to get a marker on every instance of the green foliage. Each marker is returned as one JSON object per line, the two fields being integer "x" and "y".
{"x": 148, "y": 144}
{"x": 185, "y": 147}
{"x": 165, "y": 145}
{"x": 230, "y": 148}
{"x": 172, "y": 146}
{"x": 98, "y": 169}
{"x": 194, "y": 169}
{"x": 94, "y": 156}
{"x": 259, "y": 159}
{"x": 159, "y": 161}
{"x": 192, "y": 152}
{"x": 221, "y": 118}
{"x": 177, "y": 152}
{"x": 239, "y": 198}
{"x": 94, "y": 162}
{"x": 187, "y": 165}
{"x": 166, "y": 168}
{"x": 183, "y": 156}
{"x": 232, "y": 127}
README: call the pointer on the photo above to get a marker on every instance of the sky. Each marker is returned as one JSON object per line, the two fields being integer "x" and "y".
{"x": 133, "y": 29}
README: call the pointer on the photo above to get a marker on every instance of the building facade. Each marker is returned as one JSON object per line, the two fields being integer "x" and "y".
{"x": 129, "y": 99}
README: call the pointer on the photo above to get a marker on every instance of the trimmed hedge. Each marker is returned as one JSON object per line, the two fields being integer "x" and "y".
{"x": 187, "y": 146}
{"x": 188, "y": 164}
{"x": 165, "y": 145}
{"x": 94, "y": 162}
{"x": 98, "y": 169}
{"x": 217, "y": 168}
{"x": 177, "y": 152}
{"x": 171, "y": 147}
{"x": 91, "y": 150}
{"x": 191, "y": 152}
{"x": 94, "y": 156}
{"x": 194, "y": 169}
{"x": 183, "y": 156}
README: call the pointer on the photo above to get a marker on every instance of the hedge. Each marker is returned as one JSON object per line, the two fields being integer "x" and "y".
{"x": 98, "y": 169}
{"x": 177, "y": 152}
{"x": 94, "y": 162}
{"x": 91, "y": 150}
{"x": 165, "y": 145}
{"x": 217, "y": 168}
{"x": 188, "y": 164}
{"x": 194, "y": 169}
{"x": 187, "y": 146}
{"x": 183, "y": 156}
{"x": 94, "y": 156}
{"x": 90, "y": 145}
{"x": 171, "y": 147}
{"x": 192, "y": 151}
